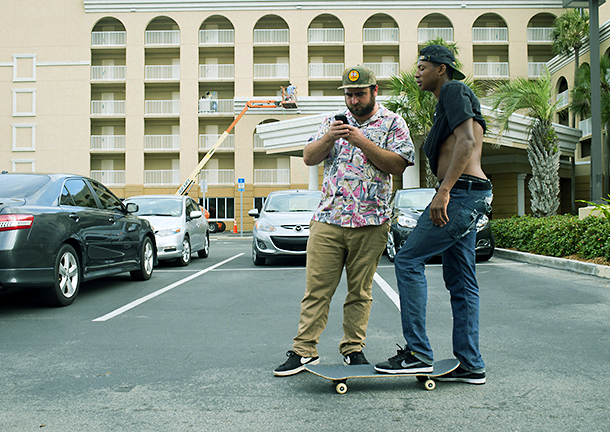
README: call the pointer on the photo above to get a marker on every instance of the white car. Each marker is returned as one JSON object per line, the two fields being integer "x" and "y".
{"x": 282, "y": 226}
{"x": 178, "y": 223}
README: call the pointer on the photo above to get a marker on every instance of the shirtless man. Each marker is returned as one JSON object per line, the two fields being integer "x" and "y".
{"x": 447, "y": 226}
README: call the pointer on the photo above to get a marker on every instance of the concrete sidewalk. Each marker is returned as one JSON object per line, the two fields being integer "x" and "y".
{"x": 556, "y": 263}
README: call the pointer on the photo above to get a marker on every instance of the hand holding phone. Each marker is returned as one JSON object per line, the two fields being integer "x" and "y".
{"x": 342, "y": 118}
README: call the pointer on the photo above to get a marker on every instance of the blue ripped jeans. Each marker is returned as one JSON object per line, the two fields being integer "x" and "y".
{"x": 456, "y": 242}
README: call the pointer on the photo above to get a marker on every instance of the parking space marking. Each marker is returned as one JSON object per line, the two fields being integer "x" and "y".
{"x": 144, "y": 299}
{"x": 387, "y": 289}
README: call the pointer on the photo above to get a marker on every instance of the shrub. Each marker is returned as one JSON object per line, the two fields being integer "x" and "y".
{"x": 558, "y": 236}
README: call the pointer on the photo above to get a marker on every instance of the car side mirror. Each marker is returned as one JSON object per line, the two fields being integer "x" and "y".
{"x": 132, "y": 207}
{"x": 254, "y": 213}
{"x": 196, "y": 214}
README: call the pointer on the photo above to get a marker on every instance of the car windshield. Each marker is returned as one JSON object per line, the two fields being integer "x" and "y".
{"x": 20, "y": 186}
{"x": 417, "y": 199}
{"x": 293, "y": 202}
{"x": 158, "y": 207}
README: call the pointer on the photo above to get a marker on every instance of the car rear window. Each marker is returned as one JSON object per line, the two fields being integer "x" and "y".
{"x": 21, "y": 186}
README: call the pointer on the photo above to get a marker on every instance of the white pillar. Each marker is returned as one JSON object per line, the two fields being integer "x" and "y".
{"x": 313, "y": 177}
{"x": 410, "y": 177}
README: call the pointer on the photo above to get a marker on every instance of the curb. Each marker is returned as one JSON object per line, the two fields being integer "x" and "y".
{"x": 556, "y": 263}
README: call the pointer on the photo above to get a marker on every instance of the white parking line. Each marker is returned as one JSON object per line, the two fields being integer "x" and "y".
{"x": 138, "y": 302}
{"x": 387, "y": 289}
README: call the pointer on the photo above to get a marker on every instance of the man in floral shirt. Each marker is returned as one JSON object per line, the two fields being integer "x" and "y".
{"x": 350, "y": 227}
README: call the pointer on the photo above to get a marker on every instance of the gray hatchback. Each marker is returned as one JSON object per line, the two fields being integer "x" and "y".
{"x": 282, "y": 226}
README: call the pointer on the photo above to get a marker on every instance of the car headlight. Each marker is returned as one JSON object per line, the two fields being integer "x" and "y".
{"x": 264, "y": 226}
{"x": 482, "y": 222}
{"x": 168, "y": 232}
{"x": 406, "y": 221}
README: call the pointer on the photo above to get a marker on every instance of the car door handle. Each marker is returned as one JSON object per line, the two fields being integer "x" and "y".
{"x": 74, "y": 217}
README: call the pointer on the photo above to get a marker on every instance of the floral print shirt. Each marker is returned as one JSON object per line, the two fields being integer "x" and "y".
{"x": 355, "y": 193}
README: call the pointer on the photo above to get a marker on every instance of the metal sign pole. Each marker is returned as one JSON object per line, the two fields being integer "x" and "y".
{"x": 241, "y": 187}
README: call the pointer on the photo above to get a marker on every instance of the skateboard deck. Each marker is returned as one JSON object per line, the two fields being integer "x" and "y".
{"x": 340, "y": 374}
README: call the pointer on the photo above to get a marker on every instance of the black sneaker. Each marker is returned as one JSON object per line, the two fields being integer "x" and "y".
{"x": 465, "y": 376}
{"x": 403, "y": 362}
{"x": 294, "y": 364}
{"x": 355, "y": 358}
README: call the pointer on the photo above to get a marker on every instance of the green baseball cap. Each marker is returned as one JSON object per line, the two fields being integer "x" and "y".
{"x": 358, "y": 77}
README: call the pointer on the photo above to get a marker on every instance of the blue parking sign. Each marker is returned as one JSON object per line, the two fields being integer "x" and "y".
{"x": 241, "y": 185}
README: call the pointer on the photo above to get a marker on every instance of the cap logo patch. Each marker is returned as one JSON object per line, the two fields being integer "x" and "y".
{"x": 353, "y": 75}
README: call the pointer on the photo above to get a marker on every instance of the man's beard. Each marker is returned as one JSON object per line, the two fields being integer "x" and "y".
{"x": 363, "y": 110}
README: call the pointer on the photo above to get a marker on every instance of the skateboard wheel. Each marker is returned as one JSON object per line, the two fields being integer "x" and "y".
{"x": 341, "y": 388}
{"x": 429, "y": 384}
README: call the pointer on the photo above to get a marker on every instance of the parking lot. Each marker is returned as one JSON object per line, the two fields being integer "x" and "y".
{"x": 193, "y": 349}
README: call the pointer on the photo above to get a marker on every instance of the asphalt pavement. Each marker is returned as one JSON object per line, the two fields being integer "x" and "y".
{"x": 193, "y": 349}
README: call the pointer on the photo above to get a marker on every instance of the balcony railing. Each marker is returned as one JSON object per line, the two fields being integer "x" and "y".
{"x": 207, "y": 141}
{"x": 326, "y": 35}
{"x": 216, "y": 106}
{"x": 108, "y": 142}
{"x": 380, "y": 35}
{"x": 218, "y": 177}
{"x": 107, "y": 73}
{"x": 164, "y": 107}
{"x": 271, "y": 176}
{"x": 490, "y": 34}
{"x": 109, "y": 177}
{"x": 162, "y": 72}
{"x": 563, "y": 99}
{"x": 110, "y": 107}
{"x": 272, "y": 70}
{"x": 490, "y": 69}
{"x": 162, "y": 37}
{"x": 162, "y": 142}
{"x": 384, "y": 70}
{"x": 161, "y": 177}
{"x": 271, "y": 36}
{"x": 216, "y": 71}
{"x": 540, "y": 34}
{"x": 109, "y": 38}
{"x": 326, "y": 70}
{"x": 585, "y": 127}
{"x": 536, "y": 69}
{"x": 217, "y": 37}
{"x": 425, "y": 34}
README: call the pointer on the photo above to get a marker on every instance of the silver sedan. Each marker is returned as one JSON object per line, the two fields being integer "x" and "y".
{"x": 282, "y": 226}
{"x": 179, "y": 225}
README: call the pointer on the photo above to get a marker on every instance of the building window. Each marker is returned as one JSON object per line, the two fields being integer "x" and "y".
{"x": 221, "y": 208}
{"x": 24, "y": 67}
{"x": 23, "y": 165}
{"x": 24, "y": 137}
{"x": 259, "y": 202}
{"x": 24, "y": 102}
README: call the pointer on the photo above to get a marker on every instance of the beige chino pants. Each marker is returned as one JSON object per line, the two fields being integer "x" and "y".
{"x": 329, "y": 249}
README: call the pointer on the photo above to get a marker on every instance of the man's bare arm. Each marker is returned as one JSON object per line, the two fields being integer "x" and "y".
{"x": 315, "y": 152}
{"x": 385, "y": 160}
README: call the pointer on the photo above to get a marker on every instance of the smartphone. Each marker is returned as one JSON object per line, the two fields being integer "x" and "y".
{"x": 341, "y": 118}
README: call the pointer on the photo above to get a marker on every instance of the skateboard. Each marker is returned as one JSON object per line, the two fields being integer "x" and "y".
{"x": 340, "y": 374}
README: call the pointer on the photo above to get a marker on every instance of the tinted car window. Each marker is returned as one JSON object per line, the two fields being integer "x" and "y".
{"x": 108, "y": 200}
{"x": 66, "y": 198}
{"x": 80, "y": 193}
{"x": 191, "y": 207}
{"x": 20, "y": 186}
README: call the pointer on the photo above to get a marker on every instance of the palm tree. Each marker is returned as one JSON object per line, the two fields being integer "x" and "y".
{"x": 569, "y": 29}
{"x": 581, "y": 100}
{"x": 533, "y": 97}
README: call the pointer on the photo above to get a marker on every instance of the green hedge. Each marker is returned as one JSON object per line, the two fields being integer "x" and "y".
{"x": 557, "y": 236}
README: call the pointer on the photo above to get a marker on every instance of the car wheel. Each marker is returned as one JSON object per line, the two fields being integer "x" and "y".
{"x": 487, "y": 256}
{"x": 185, "y": 257}
{"x": 221, "y": 226}
{"x": 390, "y": 247}
{"x": 213, "y": 227}
{"x": 205, "y": 252}
{"x": 147, "y": 261}
{"x": 256, "y": 258}
{"x": 67, "y": 278}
